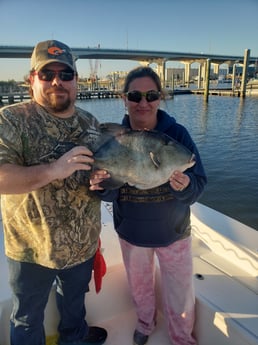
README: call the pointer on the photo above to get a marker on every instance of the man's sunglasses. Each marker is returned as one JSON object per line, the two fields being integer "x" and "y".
{"x": 47, "y": 75}
{"x": 136, "y": 96}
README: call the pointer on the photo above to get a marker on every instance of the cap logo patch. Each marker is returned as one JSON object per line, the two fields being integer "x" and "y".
{"x": 55, "y": 51}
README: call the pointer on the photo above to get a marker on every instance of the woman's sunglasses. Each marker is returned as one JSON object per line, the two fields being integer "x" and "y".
{"x": 47, "y": 75}
{"x": 136, "y": 96}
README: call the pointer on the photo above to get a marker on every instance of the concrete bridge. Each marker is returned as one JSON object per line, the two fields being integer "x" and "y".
{"x": 143, "y": 56}
{"x": 147, "y": 57}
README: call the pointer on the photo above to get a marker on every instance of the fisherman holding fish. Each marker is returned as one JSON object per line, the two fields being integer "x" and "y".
{"x": 156, "y": 221}
{"x": 51, "y": 220}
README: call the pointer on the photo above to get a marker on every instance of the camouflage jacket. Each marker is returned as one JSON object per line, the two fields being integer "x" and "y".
{"x": 58, "y": 225}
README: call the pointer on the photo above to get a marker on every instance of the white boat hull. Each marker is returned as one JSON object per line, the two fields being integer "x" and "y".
{"x": 252, "y": 88}
{"x": 225, "y": 276}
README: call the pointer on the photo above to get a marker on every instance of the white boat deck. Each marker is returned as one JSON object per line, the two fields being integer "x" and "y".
{"x": 225, "y": 276}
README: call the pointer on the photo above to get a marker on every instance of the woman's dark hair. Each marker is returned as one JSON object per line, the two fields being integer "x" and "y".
{"x": 141, "y": 72}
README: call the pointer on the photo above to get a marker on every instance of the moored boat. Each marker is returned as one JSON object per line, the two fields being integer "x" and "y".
{"x": 252, "y": 87}
{"x": 225, "y": 276}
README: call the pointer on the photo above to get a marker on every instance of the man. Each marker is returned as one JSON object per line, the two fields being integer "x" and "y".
{"x": 51, "y": 219}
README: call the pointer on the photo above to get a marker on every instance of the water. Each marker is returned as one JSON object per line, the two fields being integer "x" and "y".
{"x": 226, "y": 133}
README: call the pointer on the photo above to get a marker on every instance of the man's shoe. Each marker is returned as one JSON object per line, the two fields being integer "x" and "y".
{"x": 96, "y": 336}
{"x": 140, "y": 338}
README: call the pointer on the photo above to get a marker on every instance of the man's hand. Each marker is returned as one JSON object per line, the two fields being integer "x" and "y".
{"x": 78, "y": 158}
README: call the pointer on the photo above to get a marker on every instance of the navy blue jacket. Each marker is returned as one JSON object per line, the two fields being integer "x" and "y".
{"x": 160, "y": 216}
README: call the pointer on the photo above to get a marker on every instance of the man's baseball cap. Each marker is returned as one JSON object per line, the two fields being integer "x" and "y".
{"x": 52, "y": 51}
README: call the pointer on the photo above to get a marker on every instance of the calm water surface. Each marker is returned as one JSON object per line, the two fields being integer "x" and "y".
{"x": 226, "y": 133}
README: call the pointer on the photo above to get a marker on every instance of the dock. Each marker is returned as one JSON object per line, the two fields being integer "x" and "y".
{"x": 12, "y": 98}
{"x": 89, "y": 94}
{"x": 218, "y": 92}
{"x": 16, "y": 97}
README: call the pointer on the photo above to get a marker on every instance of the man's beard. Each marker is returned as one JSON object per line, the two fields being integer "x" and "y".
{"x": 58, "y": 103}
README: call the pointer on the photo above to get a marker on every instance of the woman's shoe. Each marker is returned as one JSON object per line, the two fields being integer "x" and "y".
{"x": 140, "y": 338}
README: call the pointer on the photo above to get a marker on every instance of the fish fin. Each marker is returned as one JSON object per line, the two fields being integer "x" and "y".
{"x": 111, "y": 183}
{"x": 113, "y": 129}
{"x": 155, "y": 160}
{"x": 108, "y": 131}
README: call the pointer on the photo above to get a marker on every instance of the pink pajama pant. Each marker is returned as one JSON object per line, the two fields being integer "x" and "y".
{"x": 175, "y": 263}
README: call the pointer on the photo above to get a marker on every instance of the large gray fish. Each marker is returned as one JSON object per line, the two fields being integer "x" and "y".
{"x": 143, "y": 159}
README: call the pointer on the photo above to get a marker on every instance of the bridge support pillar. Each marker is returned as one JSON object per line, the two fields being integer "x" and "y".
{"x": 187, "y": 73}
{"x": 216, "y": 68}
{"x": 161, "y": 71}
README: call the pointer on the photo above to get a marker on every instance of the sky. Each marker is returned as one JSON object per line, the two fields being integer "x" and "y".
{"x": 225, "y": 27}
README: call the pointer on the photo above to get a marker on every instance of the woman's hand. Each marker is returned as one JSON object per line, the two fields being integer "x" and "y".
{"x": 179, "y": 181}
{"x": 96, "y": 178}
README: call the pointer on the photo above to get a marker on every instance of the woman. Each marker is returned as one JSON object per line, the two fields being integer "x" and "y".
{"x": 157, "y": 221}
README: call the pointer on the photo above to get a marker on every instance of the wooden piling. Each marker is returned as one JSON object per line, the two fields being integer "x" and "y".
{"x": 244, "y": 74}
{"x": 207, "y": 80}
